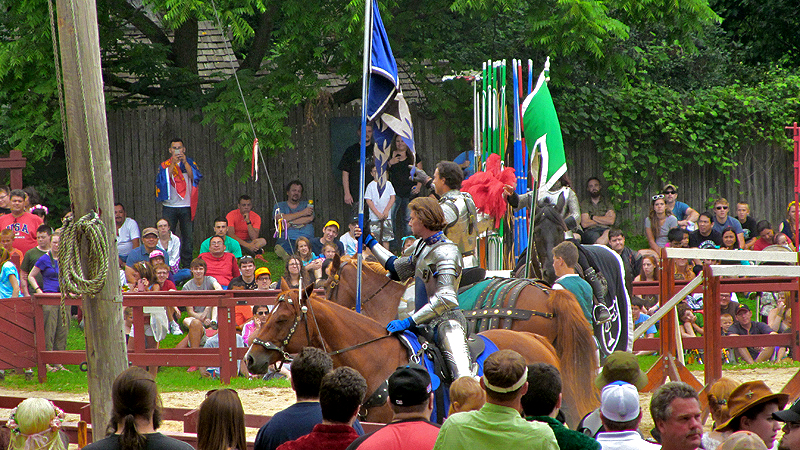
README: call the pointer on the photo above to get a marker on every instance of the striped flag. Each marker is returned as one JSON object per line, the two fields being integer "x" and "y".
{"x": 385, "y": 103}
{"x": 543, "y": 130}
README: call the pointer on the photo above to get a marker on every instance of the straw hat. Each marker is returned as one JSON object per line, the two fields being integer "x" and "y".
{"x": 748, "y": 395}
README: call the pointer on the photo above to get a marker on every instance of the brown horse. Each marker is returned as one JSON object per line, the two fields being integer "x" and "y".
{"x": 359, "y": 342}
{"x": 566, "y": 327}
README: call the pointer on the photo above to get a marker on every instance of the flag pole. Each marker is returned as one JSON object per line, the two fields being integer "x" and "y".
{"x": 364, "y": 88}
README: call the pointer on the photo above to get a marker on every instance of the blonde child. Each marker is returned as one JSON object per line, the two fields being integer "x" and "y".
{"x": 466, "y": 394}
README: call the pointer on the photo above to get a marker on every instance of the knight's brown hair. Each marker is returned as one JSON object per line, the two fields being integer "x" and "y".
{"x": 428, "y": 212}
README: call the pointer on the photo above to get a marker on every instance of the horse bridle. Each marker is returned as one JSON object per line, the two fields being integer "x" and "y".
{"x": 334, "y": 286}
{"x": 303, "y": 316}
{"x": 270, "y": 346}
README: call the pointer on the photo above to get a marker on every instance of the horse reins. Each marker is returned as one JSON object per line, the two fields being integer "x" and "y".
{"x": 334, "y": 286}
{"x": 302, "y": 315}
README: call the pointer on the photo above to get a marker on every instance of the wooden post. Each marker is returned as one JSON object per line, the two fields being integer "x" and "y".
{"x": 712, "y": 327}
{"x": 89, "y": 169}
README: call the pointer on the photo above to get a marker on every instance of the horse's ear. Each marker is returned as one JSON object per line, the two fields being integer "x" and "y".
{"x": 309, "y": 290}
{"x": 561, "y": 201}
{"x": 284, "y": 285}
{"x": 337, "y": 261}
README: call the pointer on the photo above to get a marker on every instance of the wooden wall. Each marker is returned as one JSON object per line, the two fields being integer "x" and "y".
{"x": 139, "y": 139}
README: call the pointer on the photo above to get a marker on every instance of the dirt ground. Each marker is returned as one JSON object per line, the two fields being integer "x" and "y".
{"x": 268, "y": 401}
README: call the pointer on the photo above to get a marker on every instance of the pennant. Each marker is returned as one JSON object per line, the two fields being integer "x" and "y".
{"x": 543, "y": 129}
{"x": 386, "y": 106}
{"x": 254, "y": 164}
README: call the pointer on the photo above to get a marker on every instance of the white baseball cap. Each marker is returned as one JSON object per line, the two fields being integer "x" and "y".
{"x": 620, "y": 402}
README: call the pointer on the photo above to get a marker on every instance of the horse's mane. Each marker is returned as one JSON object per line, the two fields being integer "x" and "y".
{"x": 547, "y": 211}
{"x": 374, "y": 266}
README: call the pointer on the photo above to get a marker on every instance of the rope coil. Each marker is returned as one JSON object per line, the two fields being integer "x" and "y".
{"x": 92, "y": 229}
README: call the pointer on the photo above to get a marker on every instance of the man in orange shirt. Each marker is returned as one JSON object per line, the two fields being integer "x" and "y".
{"x": 244, "y": 225}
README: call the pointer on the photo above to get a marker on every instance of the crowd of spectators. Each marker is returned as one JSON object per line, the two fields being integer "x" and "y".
{"x": 514, "y": 405}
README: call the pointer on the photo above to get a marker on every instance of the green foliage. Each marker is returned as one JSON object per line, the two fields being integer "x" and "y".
{"x": 227, "y": 112}
{"x": 29, "y": 112}
{"x": 765, "y": 31}
{"x": 650, "y": 131}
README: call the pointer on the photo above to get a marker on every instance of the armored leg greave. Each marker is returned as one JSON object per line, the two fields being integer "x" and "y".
{"x": 453, "y": 344}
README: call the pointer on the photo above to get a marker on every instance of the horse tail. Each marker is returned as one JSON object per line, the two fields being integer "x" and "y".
{"x": 576, "y": 349}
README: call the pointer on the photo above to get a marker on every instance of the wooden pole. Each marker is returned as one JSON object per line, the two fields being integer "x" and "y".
{"x": 88, "y": 160}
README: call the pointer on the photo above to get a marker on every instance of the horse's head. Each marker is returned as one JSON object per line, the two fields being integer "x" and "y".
{"x": 278, "y": 336}
{"x": 332, "y": 284}
{"x": 549, "y": 229}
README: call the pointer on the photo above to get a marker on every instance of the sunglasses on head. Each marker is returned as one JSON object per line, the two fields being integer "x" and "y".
{"x": 656, "y": 197}
{"x": 721, "y": 207}
{"x": 208, "y": 394}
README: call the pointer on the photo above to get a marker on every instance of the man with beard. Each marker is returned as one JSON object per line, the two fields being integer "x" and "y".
{"x": 299, "y": 217}
{"x": 597, "y": 214}
{"x": 676, "y": 412}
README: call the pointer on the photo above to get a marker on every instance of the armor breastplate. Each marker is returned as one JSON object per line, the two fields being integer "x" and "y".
{"x": 430, "y": 260}
{"x": 437, "y": 274}
{"x": 460, "y": 214}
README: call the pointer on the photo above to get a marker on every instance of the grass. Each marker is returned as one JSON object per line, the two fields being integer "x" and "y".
{"x": 647, "y": 361}
{"x": 170, "y": 379}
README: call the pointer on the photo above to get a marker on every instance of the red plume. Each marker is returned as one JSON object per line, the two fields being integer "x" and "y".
{"x": 486, "y": 188}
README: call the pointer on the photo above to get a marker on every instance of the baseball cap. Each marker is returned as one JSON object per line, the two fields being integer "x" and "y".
{"x": 742, "y": 440}
{"x": 331, "y": 222}
{"x": 791, "y": 414}
{"x": 149, "y": 230}
{"x": 621, "y": 366}
{"x": 668, "y": 186}
{"x": 620, "y": 402}
{"x": 262, "y": 271}
{"x": 742, "y": 308}
{"x": 409, "y": 385}
{"x": 354, "y": 219}
{"x": 156, "y": 253}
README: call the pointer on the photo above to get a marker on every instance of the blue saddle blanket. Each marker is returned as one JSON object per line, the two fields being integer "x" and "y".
{"x": 441, "y": 389}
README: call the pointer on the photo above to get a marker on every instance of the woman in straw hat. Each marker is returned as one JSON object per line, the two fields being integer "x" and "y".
{"x": 751, "y": 406}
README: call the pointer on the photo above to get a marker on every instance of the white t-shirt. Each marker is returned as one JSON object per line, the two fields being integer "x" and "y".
{"x": 350, "y": 244}
{"x": 175, "y": 200}
{"x": 125, "y": 235}
{"x": 380, "y": 201}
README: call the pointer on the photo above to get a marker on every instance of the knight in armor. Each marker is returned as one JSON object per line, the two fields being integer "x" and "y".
{"x": 460, "y": 213}
{"x": 436, "y": 265}
{"x": 570, "y": 211}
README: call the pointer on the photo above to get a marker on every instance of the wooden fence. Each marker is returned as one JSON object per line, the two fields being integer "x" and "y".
{"x": 139, "y": 138}
{"x": 17, "y": 348}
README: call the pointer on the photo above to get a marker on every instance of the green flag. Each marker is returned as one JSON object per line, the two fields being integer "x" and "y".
{"x": 542, "y": 128}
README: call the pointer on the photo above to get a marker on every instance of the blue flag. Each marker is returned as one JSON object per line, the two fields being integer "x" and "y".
{"x": 386, "y": 106}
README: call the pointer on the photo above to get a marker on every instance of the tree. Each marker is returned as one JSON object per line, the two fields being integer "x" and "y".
{"x": 282, "y": 46}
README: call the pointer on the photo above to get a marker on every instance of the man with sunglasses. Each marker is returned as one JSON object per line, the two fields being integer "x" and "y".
{"x": 722, "y": 220}
{"x": 683, "y": 212}
{"x": 791, "y": 428}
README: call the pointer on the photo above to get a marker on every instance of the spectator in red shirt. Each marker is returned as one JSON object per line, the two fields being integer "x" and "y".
{"x": 244, "y": 225}
{"x": 766, "y": 235}
{"x": 221, "y": 264}
{"x": 21, "y": 222}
